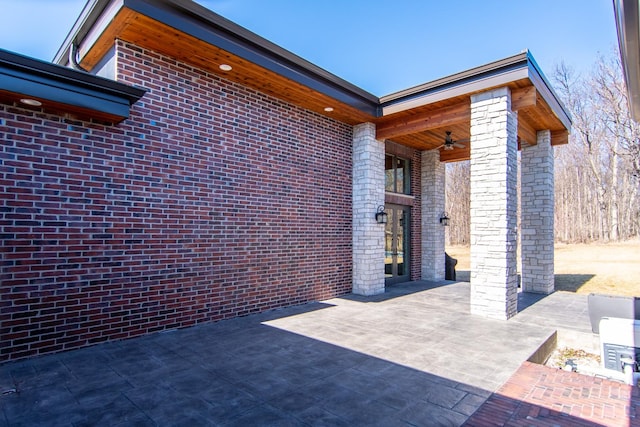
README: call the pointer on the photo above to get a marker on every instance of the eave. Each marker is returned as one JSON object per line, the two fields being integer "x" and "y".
{"x": 195, "y": 35}
{"x": 420, "y": 116}
{"x": 417, "y": 117}
{"x": 627, "y": 15}
{"x": 64, "y": 91}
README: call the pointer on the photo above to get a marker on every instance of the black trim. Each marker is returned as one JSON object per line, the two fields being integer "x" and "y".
{"x": 50, "y": 82}
{"x": 627, "y": 16}
{"x": 520, "y": 61}
{"x": 197, "y": 21}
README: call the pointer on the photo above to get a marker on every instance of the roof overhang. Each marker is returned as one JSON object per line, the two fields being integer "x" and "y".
{"x": 191, "y": 33}
{"x": 627, "y": 15}
{"x": 61, "y": 90}
{"x": 421, "y": 116}
{"x": 416, "y": 117}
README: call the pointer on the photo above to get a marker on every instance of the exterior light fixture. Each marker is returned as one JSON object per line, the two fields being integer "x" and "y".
{"x": 328, "y": 109}
{"x": 444, "y": 219}
{"x": 31, "y": 102}
{"x": 225, "y": 67}
{"x": 381, "y": 215}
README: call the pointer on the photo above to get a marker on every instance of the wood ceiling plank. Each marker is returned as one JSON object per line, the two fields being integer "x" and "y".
{"x": 455, "y": 155}
{"x": 153, "y": 35}
{"x": 523, "y": 98}
{"x": 425, "y": 121}
{"x": 559, "y": 137}
{"x": 526, "y": 132}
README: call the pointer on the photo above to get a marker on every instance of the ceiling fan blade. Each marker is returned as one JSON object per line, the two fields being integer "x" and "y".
{"x": 455, "y": 144}
{"x": 461, "y": 141}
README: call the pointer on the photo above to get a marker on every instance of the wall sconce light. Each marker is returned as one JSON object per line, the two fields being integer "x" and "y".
{"x": 444, "y": 219}
{"x": 381, "y": 215}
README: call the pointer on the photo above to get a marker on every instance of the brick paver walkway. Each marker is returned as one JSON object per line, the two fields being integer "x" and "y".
{"x": 537, "y": 395}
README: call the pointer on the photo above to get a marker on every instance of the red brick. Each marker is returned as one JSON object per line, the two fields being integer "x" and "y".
{"x": 238, "y": 204}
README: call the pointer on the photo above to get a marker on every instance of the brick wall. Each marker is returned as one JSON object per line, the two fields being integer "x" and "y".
{"x": 211, "y": 201}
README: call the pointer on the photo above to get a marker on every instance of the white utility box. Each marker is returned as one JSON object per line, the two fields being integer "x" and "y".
{"x": 619, "y": 343}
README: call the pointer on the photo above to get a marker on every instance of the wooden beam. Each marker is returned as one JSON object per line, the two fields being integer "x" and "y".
{"x": 527, "y": 133}
{"x": 559, "y": 137}
{"x": 523, "y": 98}
{"x": 456, "y": 155}
{"x": 425, "y": 121}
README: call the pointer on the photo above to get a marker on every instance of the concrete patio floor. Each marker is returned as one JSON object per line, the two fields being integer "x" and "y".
{"x": 412, "y": 356}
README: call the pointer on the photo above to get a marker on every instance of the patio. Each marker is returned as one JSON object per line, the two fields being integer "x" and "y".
{"x": 412, "y": 356}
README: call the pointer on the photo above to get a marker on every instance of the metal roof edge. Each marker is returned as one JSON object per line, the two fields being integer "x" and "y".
{"x": 494, "y": 74}
{"x": 511, "y": 62}
{"x": 522, "y": 65}
{"x": 89, "y": 14}
{"x": 546, "y": 90}
{"x": 63, "y": 90}
{"x": 627, "y": 16}
{"x": 198, "y": 21}
{"x": 67, "y": 75}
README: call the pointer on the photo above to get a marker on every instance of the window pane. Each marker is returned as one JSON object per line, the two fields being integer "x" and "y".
{"x": 400, "y": 174}
{"x": 389, "y": 178}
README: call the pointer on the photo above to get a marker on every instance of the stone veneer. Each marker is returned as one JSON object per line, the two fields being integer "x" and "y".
{"x": 537, "y": 205}
{"x": 368, "y": 195}
{"x": 433, "y": 198}
{"x": 493, "y": 205}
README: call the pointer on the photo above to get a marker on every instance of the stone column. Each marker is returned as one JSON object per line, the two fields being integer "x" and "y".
{"x": 432, "y": 179}
{"x": 537, "y": 205}
{"x": 494, "y": 291}
{"x": 368, "y": 194}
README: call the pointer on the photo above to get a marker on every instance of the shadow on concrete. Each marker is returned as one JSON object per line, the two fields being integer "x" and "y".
{"x": 463, "y": 275}
{"x": 563, "y": 282}
{"x": 571, "y": 282}
{"x": 236, "y": 372}
{"x": 399, "y": 290}
{"x": 528, "y": 299}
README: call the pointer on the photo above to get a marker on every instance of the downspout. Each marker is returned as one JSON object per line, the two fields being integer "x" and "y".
{"x": 73, "y": 58}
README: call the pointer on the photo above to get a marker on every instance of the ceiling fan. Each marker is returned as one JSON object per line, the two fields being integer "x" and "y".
{"x": 450, "y": 143}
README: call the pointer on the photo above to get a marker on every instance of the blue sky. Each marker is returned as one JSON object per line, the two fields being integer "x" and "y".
{"x": 379, "y": 45}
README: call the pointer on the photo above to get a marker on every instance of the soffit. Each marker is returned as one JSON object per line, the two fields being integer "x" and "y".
{"x": 188, "y": 39}
{"x": 63, "y": 91}
{"x": 420, "y": 117}
{"x": 187, "y": 32}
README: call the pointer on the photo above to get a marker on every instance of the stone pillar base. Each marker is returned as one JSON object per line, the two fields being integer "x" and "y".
{"x": 494, "y": 291}
{"x": 433, "y": 198}
{"x": 537, "y": 210}
{"x": 368, "y": 194}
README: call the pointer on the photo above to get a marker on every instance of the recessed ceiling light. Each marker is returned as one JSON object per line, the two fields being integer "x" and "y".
{"x": 328, "y": 109}
{"x": 226, "y": 67}
{"x": 32, "y": 102}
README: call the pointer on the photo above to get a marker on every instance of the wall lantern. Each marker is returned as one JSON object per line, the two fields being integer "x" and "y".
{"x": 444, "y": 219}
{"x": 381, "y": 215}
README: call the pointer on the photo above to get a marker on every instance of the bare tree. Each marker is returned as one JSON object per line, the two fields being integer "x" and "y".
{"x": 597, "y": 174}
{"x": 458, "y": 199}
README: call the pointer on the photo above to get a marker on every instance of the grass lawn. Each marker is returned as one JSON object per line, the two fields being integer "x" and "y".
{"x": 604, "y": 268}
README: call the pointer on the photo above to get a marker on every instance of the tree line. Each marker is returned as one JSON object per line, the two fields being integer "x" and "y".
{"x": 597, "y": 175}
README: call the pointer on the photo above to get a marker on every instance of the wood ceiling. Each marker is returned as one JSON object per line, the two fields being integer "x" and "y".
{"x": 422, "y": 127}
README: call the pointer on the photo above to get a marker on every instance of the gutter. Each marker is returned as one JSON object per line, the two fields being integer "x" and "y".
{"x": 494, "y": 74}
{"x": 197, "y": 21}
{"x": 628, "y": 27}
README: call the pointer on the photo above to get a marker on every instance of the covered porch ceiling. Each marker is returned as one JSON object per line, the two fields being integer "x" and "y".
{"x": 418, "y": 117}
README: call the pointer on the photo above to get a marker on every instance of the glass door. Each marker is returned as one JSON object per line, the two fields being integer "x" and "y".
{"x": 396, "y": 244}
